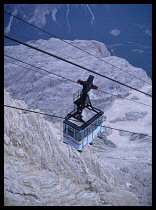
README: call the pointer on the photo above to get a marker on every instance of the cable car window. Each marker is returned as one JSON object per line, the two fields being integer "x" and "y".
{"x": 95, "y": 125}
{"x": 78, "y": 135}
{"x": 99, "y": 121}
{"x": 71, "y": 132}
{"x": 102, "y": 119}
{"x": 64, "y": 128}
{"x": 82, "y": 134}
{"x": 90, "y": 129}
{"x": 86, "y": 132}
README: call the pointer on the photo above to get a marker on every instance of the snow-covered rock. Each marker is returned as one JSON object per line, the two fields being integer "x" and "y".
{"x": 130, "y": 116}
{"x": 41, "y": 170}
{"x": 48, "y": 92}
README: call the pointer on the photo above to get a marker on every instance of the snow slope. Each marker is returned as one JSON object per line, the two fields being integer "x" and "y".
{"x": 117, "y": 155}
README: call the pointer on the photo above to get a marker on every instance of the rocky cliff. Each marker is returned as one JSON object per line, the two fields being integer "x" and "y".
{"x": 41, "y": 170}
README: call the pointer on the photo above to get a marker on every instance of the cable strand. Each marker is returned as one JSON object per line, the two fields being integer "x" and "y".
{"x": 35, "y": 48}
{"x": 74, "y": 46}
{"x": 68, "y": 79}
{"x": 64, "y": 118}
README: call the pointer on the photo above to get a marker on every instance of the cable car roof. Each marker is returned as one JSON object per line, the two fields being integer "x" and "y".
{"x": 89, "y": 116}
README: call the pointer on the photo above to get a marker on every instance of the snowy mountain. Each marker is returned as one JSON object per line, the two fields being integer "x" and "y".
{"x": 115, "y": 170}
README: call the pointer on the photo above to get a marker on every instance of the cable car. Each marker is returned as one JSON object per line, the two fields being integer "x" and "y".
{"x": 84, "y": 122}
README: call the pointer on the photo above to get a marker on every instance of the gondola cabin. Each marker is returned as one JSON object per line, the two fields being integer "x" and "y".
{"x": 77, "y": 133}
{"x": 84, "y": 122}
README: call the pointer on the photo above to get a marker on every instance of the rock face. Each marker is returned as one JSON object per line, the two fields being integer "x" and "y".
{"x": 130, "y": 116}
{"x": 132, "y": 156}
{"x": 41, "y": 170}
{"x": 47, "y": 92}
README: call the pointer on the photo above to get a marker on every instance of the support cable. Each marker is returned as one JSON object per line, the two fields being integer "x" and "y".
{"x": 68, "y": 79}
{"x": 50, "y": 115}
{"x": 74, "y": 46}
{"x": 35, "y": 48}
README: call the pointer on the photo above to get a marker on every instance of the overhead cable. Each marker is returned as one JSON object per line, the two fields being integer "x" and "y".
{"x": 35, "y": 48}
{"x": 64, "y": 81}
{"x": 40, "y": 69}
{"x": 75, "y": 46}
{"x": 46, "y": 47}
{"x": 68, "y": 79}
{"x": 50, "y": 115}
